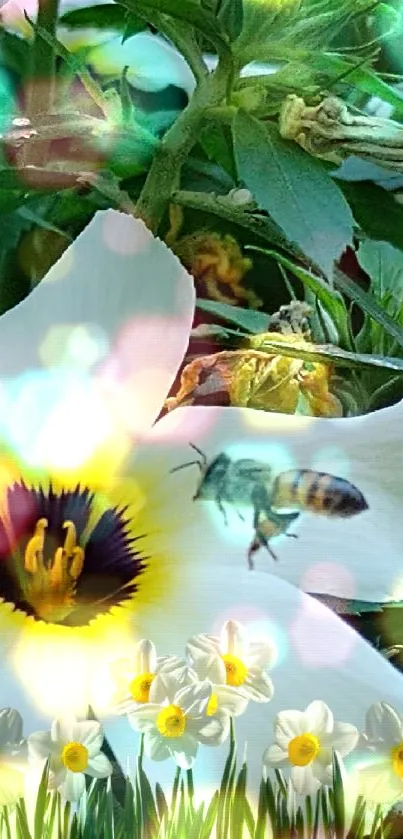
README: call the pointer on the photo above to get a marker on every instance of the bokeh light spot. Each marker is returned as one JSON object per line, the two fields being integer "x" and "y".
{"x": 317, "y": 638}
{"x": 317, "y": 577}
{"x": 122, "y": 237}
{"x": 77, "y": 346}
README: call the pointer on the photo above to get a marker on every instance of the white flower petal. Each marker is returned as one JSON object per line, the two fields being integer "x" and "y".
{"x": 184, "y": 750}
{"x": 343, "y": 557}
{"x": 275, "y": 755}
{"x": 378, "y": 783}
{"x": 260, "y": 653}
{"x": 258, "y": 686}
{"x": 194, "y": 698}
{"x": 87, "y": 335}
{"x": 382, "y": 722}
{"x": 323, "y": 771}
{"x": 303, "y": 780}
{"x": 287, "y": 725}
{"x": 206, "y": 660}
{"x": 90, "y": 734}
{"x": 41, "y": 745}
{"x": 99, "y": 766}
{"x": 143, "y": 718}
{"x": 62, "y": 729}
{"x": 344, "y": 738}
{"x": 73, "y": 786}
{"x": 233, "y": 639}
{"x": 319, "y": 718}
{"x": 153, "y": 64}
{"x": 211, "y": 731}
{"x": 230, "y": 700}
{"x": 155, "y": 745}
{"x": 145, "y": 657}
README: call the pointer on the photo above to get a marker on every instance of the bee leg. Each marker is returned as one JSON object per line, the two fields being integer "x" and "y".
{"x": 222, "y": 509}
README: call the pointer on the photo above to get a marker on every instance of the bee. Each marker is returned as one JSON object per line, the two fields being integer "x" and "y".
{"x": 276, "y": 500}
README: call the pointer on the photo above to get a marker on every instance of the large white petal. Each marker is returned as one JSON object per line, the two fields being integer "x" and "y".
{"x": 155, "y": 745}
{"x": 230, "y": 700}
{"x": 275, "y": 755}
{"x": 206, "y": 660}
{"x": 341, "y": 557}
{"x": 90, "y": 734}
{"x": 319, "y": 656}
{"x": 184, "y": 750}
{"x": 344, "y": 738}
{"x": 40, "y": 745}
{"x": 145, "y": 657}
{"x": 87, "y": 336}
{"x": 258, "y": 686}
{"x": 153, "y": 64}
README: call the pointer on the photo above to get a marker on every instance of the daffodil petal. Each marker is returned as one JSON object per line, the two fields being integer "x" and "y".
{"x": 304, "y": 780}
{"x": 155, "y": 745}
{"x": 344, "y": 557}
{"x": 143, "y": 718}
{"x": 344, "y": 738}
{"x": 99, "y": 766}
{"x": 90, "y": 734}
{"x": 73, "y": 786}
{"x": 87, "y": 374}
{"x": 319, "y": 718}
{"x": 260, "y": 654}
{"x": 378, "y": 783}
{"x": 206, "y": 660}
{"x": 275, "y": 755}
{"x": 194, "y": 698}
{"x": 206, "y": 730}
{"x": 184, "y": 750}
{"x": 258, "y": 686}
{"x": 230, "y": 700}
{"x": 41, "y": 745}
{"x": 289, "y": 724}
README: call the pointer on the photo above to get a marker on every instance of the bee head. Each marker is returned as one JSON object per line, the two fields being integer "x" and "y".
{"x": 211, "y": 477}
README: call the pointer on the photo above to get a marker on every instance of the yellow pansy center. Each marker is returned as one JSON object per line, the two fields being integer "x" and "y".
{"x": 397, "y": 759}
{"x": 50, "y": 586}
{"x": 140, "y": 687}
{"x": 75, "y": 757}
{"x": 303, "y": 749}
{"x": 236, "y": 670}
{"x": 171, "y": 721}
{"x": 212, "y": 705}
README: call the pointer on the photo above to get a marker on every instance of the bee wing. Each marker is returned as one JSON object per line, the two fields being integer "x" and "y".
{"x": 252, "y": 469}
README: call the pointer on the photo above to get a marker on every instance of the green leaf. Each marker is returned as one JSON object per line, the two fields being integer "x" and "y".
{"x": 369, "y": 305}
{"x": 338, "y": 797}
{"x": 187, "y": 10}
{"x": 384, "y": 264}
{"x": 210, "y": 817}
{"x": 294, "y": 189}
{"x": 230, "y": 16}
{"x": 329, "y": 354}
{"x": 363, "y": 79}
{"x": 105, "y": 16}
{"x": 375, "y": 210}
{"x": 247, "y": 319}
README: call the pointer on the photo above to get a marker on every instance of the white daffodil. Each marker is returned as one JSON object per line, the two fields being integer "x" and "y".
{"x": 134, "y": 677}
{"x": 175, "y": 727}
{"x": 305, "y": 741}
{"x": 233, "y": 663}
{"x": 101, "y": 543}
{"x": 13, "y": 754}
{"x": 380, "y": 776}
{"x": 74, "y": 749}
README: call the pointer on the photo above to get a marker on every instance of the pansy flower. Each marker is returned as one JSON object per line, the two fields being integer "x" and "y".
{"x": 101, "y": 543}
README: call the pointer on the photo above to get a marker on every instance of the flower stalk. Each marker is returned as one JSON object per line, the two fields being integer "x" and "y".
{"x": 164, "y": 174}
{"x": 40, "y": 93}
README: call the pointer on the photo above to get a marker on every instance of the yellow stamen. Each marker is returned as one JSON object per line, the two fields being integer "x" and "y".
{"x": 397, "y": 759}
{"x": 236, "y": 670}
{"x": 75, "y": 757}
{"x": 212, "y": 706}
{"x": 35, "y": 546}
{"x": 171, "y": 721}
{"x": 140, "y": 687}
{"x": 50, "y": 588}
{"x": 303, "y": 749}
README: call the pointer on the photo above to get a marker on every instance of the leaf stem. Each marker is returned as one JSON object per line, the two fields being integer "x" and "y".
{"x": 40, "y": 93}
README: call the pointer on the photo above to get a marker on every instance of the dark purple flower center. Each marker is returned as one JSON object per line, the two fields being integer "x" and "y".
{"x": 56, "y": 566}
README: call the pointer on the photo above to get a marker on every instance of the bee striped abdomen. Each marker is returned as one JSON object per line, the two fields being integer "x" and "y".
{"x": 317, "y": 492}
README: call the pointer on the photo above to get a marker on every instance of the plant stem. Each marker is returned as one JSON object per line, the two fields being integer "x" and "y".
{"x": 164, "y": 175}
{"x": 41, "y": 91}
